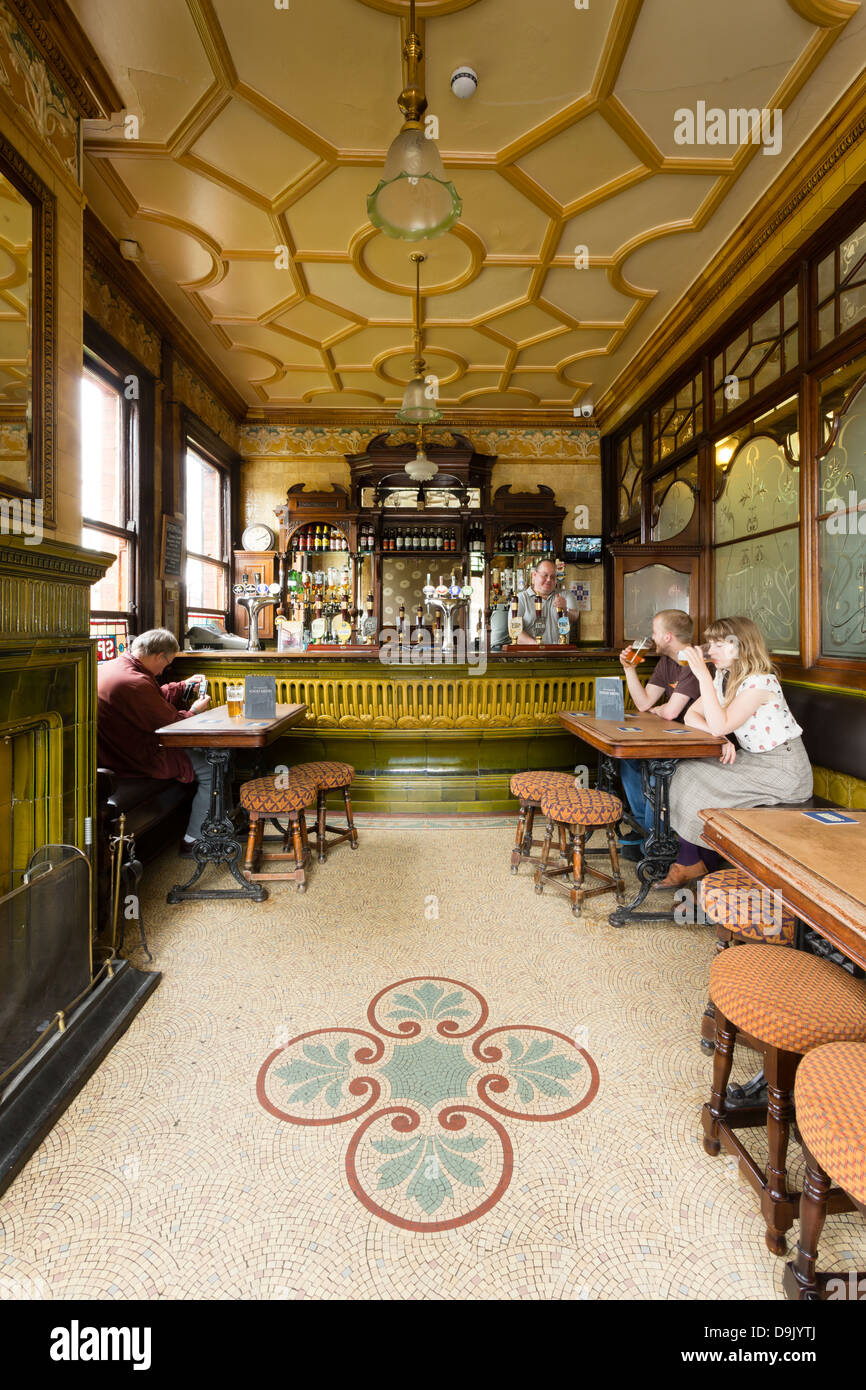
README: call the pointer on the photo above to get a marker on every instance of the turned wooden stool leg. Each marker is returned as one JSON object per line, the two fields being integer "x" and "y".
{"x": 347, "y": 800}
{"x": 800, "y": 1281}
{"x": 776, "y": 1203}
{"x": 299, "y": 853}
{"x": 545, "y": 855}
{"x": 517, "y": 852}
{"x": 723, "y": 1060}
{"x": 619, "y": 889}
{"x": 254, "y": 841}
{"x": 578, "y": 868}
{"x": 563, "y": 842}
{"x": 321, "y": 818}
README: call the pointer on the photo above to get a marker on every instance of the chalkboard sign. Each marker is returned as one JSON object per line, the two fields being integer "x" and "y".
{"x": 260, "y": 697}
{"x": 609, "y": 701}
{"x": 171, "y": 563}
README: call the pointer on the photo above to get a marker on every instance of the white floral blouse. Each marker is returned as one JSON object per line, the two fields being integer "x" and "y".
{"x": 771, "y": 724}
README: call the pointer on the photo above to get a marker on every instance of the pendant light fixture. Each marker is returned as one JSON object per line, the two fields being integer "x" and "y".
{"x": 418, "y": 408}
{"x": 413, "y": 200}
{"x": 421, "y": 469}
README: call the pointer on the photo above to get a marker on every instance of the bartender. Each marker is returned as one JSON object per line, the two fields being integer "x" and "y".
{"x": 543, "y": 583}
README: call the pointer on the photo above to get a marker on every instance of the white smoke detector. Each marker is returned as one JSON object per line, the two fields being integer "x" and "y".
{"x": 130, "y": 250}
{"x": 464, "y": 81}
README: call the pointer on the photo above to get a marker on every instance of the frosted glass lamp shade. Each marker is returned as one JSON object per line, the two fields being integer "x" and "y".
{"x": 413, "y": 200}
{"x": 417, "y": 407}
{"x": 420, "y": 469}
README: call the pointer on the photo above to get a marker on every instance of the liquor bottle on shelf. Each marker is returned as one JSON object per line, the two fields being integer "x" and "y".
{"x": 438, "y": 537}
{"x": 416, "y": 538}
{"x": 399, "y": 538}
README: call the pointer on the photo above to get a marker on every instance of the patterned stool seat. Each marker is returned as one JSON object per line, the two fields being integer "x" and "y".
{"x": 330, "y": 776}
{"x": 830, "y": 1096}
{"x": 580, "y": 805}
{"x": 735, "y": 900}
{"x": 277, "y": 794}
{"x": 528, "y": 786}
{"x": 790, "y": 1000}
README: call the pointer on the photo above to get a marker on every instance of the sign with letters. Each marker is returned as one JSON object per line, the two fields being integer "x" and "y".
{"x": 260, "y": 697}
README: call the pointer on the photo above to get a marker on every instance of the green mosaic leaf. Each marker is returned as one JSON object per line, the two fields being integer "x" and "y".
{"x": 463, "y": 1169}
{"x": 524, "y": 1090}
{"x": 464, "y": 1143}
{"x": 334, "y": 1093}
{"x": 456, "y": 997}
{"x": 395, "y": 1172}
{"x": 296, "y": 1071}
{"x": 308, "y": 1092}
{"x": 318, "y": 1053}
{"x": 429, "y": 994}
{"x": 406, "y": 1003}
{"x": 547, "y": 1085}
{"x": 538, "y": 1048}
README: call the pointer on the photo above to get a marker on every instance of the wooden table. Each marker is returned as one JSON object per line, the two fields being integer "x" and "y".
{"x": 218, "y": 735}
{"x": 660, "y": 744}
{"x": 819, "y": 870}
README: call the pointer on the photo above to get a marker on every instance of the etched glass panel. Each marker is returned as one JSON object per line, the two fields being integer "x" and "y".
{"x": 842, "y": 535}
{"x": 647, "y": 591}
{"x": 760, "y": 579}
{"x": 674, "y": 500}
{"x": 761, "y": 491}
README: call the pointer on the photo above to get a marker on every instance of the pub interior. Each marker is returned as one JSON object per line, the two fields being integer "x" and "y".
{"x": 433, "y": 651}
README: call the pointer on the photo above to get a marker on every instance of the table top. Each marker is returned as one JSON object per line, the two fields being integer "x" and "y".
{"x": 214, "y": 729}
{"x": 819, "y": 868}
{"x": 640, "y": 736}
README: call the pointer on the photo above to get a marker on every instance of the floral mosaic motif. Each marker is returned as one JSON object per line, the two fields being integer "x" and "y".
{"x": 38, "y": 99}
{"x": 431, "y": 1151}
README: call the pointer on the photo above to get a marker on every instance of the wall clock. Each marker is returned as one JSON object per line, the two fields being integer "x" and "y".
{"x": 258, "y": 537}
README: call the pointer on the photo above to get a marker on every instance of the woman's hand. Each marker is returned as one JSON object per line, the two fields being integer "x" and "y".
{"x": 727, "y": 752}
{"x": 695, "y": 657}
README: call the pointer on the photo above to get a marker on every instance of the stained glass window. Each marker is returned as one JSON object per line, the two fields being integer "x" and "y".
{"x": 629, "y": 474}
{"x": 674, "y": 500}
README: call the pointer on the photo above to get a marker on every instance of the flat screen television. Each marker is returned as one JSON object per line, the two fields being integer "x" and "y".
{"x": 582, "y": 550}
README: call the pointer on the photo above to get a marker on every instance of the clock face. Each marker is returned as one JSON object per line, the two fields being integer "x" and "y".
{"x": 258, "y": 537}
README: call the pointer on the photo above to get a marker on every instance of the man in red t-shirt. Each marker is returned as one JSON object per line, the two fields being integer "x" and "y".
{"x": 131, "y": 705}
{"x": 671, "y": 631}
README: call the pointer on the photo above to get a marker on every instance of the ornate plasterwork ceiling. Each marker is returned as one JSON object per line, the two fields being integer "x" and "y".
{"x": 262, "y": 128}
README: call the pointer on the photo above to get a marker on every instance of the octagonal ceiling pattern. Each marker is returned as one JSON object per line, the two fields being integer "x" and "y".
{"x": 261, "y": 130}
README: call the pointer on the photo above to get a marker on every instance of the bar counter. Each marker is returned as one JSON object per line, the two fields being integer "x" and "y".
{"x": 424, "y": 738}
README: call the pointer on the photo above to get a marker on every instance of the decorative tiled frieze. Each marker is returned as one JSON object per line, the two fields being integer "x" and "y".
{"x": 113, "y": 312}
{"x": 569, "y": 442}
{"x": 189, "y": 389}
{"x": 31, "y": 91}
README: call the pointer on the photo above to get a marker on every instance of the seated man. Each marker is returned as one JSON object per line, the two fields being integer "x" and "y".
{"x": 671, "y": 632}
{"x": 130, "y": 706}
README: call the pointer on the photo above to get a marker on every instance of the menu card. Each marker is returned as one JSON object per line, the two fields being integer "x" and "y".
{"x": 260, "y": 697}
{"x": 609, "y": 699}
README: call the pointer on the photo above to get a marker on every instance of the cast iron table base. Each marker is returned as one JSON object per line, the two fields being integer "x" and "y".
{"x": 218, "y": 842}
{"x": 661, "y": 846}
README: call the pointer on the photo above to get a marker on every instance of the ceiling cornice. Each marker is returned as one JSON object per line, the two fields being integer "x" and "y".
{"x": 673, "y": 341}
{"x": 100, "y": 248}
{"x": 455, "y": 420}
{"x": 70, "y": 55}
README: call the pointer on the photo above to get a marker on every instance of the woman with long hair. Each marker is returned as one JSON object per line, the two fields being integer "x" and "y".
{"x": 767, "y": 765}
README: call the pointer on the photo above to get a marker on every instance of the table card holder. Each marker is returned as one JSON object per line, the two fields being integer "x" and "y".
{"x": 260, "y": 697}
{"x": 609, "y": 699}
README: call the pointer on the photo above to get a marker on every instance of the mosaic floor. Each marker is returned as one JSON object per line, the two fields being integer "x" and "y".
{"x": 417, "y": 1080}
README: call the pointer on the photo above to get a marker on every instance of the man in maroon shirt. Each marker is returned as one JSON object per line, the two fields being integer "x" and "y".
{"x": 671, "y": 631}
{"x": 130, "y": 706}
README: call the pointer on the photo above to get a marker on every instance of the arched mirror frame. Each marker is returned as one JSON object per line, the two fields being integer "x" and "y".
{"x": 44, "y": 331}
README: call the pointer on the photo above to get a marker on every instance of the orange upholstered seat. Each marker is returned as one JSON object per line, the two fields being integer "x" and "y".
{"x": 278, "y": 793}
{"x": 788, "y": 999}
{"x": 528, "y": 786}
{"x": 574, "y": 805}
{"x": 735, "y": 900}
{"x": 327, "y": 776}
{"x": 830, "y": 1096}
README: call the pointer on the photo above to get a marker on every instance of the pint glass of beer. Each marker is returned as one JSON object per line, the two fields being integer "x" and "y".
{"x": 235, "y": 701}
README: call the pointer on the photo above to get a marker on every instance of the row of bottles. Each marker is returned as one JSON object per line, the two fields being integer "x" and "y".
{"x": 420, "y": 538}
{"x": 321, "y": 537}
{"x": 524, "y": 543}
{"x": 475, "y": 541}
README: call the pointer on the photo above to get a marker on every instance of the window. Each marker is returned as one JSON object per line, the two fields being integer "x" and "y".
{"x": 677, "y": 421}
{"x": 629, "y": 472}
{"x": 109, "y": 477}
{"x": 842, "y": 512}
{"x": 759, "y": 355}
{"x": 841, "y": 287}
{"x": 207, "y": 557}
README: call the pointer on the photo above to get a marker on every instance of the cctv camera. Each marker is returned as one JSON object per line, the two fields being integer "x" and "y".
{"x": 586, "y": 410}
{"x": 463, "y": 82}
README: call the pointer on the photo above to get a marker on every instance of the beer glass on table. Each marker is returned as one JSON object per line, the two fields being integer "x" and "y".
{"x": 235, "y": 701}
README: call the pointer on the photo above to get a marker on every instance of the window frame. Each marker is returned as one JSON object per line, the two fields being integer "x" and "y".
{"x": 130, "y": 472}
{"x": 199, "y": 439}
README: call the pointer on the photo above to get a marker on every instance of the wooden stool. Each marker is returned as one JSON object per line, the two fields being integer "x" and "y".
{"x": 782, "y": 1004}
{"x": 580, "y": 810}
{"x": 830, "y": 1096}
{"x": 527, "y": 787}
{"x": 328, "y": 777}
{"x": 735, "y": 902}
{"x": 264, "y": 798}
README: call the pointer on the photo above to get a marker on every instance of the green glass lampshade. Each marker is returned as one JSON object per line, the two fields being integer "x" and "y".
{"x": 417, "y": 408}
{"x": 413, "y": 200}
